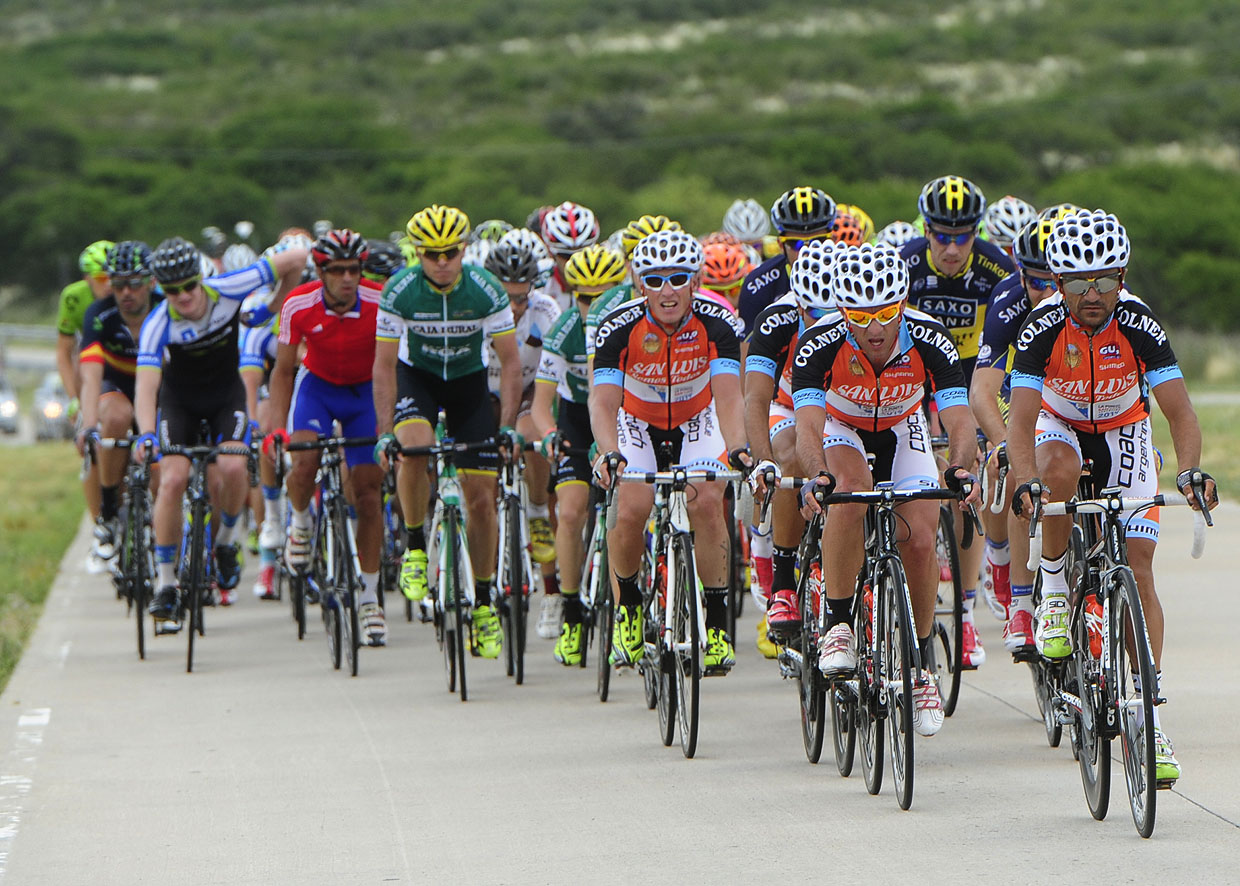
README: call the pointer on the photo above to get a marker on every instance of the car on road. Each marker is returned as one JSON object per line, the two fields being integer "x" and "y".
{"x": 8, "y": 407}
{"x": 51, "y": 410}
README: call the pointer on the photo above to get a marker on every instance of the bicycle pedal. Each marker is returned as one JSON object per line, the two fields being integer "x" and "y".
{"x": 1026, "y": 655}
{"x": 167, "y": 626}
{"x": 716, "y": 672}
{"x": 1166, "y": 784}
{"x": 969, "y": 667}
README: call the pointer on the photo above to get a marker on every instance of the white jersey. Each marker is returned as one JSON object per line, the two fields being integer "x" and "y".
{"x": 535, "y": 324}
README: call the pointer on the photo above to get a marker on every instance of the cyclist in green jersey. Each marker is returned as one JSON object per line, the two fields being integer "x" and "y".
{"x": 433, "y": 317}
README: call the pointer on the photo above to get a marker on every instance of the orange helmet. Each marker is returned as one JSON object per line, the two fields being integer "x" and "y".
{"x": 724, "y": 266}
{"x": 720, "y": 237}
{"x": 847, "y": 230}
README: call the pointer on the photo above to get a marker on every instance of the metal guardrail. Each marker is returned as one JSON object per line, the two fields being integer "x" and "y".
{"x": 45, "y": 333}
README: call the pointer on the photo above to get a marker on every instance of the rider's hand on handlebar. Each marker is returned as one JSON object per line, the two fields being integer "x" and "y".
{"x": 1195, "y": 480}
{"x": 269, "y": 441}
{"x": 145, "y": 449}
{"x": 547, "y": 445}
{"x": 964, "y": 484}
{"x": 606, "y": 467}
{"x": 765, "y": 475}
{"x": 1022, "y": 499}
{"x": 822, "y": 485}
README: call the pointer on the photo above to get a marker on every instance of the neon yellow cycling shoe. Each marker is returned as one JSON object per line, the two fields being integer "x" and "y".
{"x": 627, "y": 644}
{"x": 1166, "y": 766}
{"x": 720, "y": 655}
{"x": 542, "y": 540}
{"x": 413, "y": 574}
{"x": 488, "y": 636}
{"x": 568, "y": 647}
{"x": 765, "y": 646}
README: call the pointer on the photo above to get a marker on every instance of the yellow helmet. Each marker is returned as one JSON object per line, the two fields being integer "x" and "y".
{"x": 863, "y": 220}
{"x": 438, "y": 227}
{"x": 594, "y": 267}
{"x": 643, "y": 227}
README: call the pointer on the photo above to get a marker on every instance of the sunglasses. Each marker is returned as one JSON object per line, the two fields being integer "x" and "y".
{"x": 100, "y": 277}
{"x": 952, "y": 239}
{"x": 1081, "y": 285}
{"x": 441, "y": 254}
{"x": 798, "y": 242}
{"x": 178, "y": 288}
{"x": 586, "y": 296}
{"x": 119, "y": 283}
{"x": 656, "y": 281}
{"x": 883, "y": 315}
{"x": 1040, "y": 283}
{"x": 341, "y": 270}
{"x": 724, "y": 290}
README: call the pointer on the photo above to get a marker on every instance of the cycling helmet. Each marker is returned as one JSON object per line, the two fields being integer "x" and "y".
{"x": 515, "y": 257}
{"x": 720, "y": 237}
{"x": 863, "y": 219}
{"x": 207, "y": 266}
{"x": 803, "y": 210}
{"x": 868, "y": 276}
{"x": 176, "y": 259}
{"x": 491, "y": 229}
{"x": 339, "y": 245}
{"x": 644, "y": 227}
{"x": 1004, "y": 219}
{"x": 383, "y": 258}
{"x": 94, "y": 258}
{"x": 568, "y": 227}
{"x": 667, "y": 249}
{"x": 810, "y": 277}
{"x": 724, "y": 265}
{"x": 595, "y": 267}
{"x": 238, "y": 256}
{"x": 846, "y": 229}
{"x": 438, "y": 227}
{"x": 746, "y": 220}
{"x": 1087, "y": 241}
{"x": 897, "y": 234}
{"x": 129, "y": 258}
{"x": 214, "y": 242}
{"x": 1059, "y": 210}
{"x": 952, "y": 201}
{"x": 477, "y": 251}
{"x": 535, "y": 219}
{"x": 1029, "y": 247}
{"x": 322, "y": 226}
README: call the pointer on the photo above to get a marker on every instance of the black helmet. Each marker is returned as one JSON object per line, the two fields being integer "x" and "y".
{"x": 952, "y": 201}
{"x": 803, "y": 210}
{"x": 175, "y": 259}
{"x": 383, "y": 259}
{"x": 129, "y": 258}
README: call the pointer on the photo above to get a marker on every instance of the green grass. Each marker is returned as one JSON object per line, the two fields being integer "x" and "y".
{"x": 40, "y": 507}
{"x": 1220, "y": 447}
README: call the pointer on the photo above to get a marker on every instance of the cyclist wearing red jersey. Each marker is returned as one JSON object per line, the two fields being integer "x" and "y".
{"x": 667, "y": 368}
{"x": 1083, "y": 361}
{"x": 335, "y": 319}
{"x": 858, "y": 382}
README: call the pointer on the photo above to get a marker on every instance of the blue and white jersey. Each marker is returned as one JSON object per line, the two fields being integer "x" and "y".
{"x": 259, "y": 345}
{"x": 535, "y": 325}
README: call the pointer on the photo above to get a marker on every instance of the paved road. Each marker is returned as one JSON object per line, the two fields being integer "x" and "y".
{"x": 265, "y": 767}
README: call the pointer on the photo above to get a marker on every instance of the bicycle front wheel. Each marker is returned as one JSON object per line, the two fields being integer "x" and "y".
{"x": 686, "y": 640}
{"x": 1131, "y": 670}
{"x": 897, "y": 640}
{"x": 1091, "y": 742}
{"x": 871, "y": 706}
{"x": 197, "y": 578}
{"x": 948, "y": 613}
{"x": 812, "y": 684}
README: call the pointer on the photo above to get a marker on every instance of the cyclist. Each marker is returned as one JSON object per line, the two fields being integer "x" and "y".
{"x": 952, "y": 273}
{"x": 514, "y": 262}
{"x": 565, "y": 229}
{"x": 107, "y": 362}
{"x": 335, "y": 320}
{"x": 1084, "y": 362}
{"x": 1004, "y": 219}
{"x": 864, "y": 222}
{"x": 666, "y": 369}
{"x": 800, "y": 215}
{"x": 564, "y": 372}
{"x": 724, "y": 267}
{"x": 383, "y": 259}
{"x": 749, "y": 223}
{"x": 1007, "y": 579}
{"x": 260, "y": 346}
{"x": 433, "y": 318}
{"x": 847, "y": 228}
{"x": 897, "y": 233}
{"x": 189, "y": 343}
{"x": 770, "y": 423}
{"x": 858, "y": 382}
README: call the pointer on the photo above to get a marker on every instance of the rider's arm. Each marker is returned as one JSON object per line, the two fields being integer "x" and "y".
{"x": 759, "y": 389}
{"x": 505, "y": 345}
{"x": 605, "y": 403}
{"x": 540, "y": 409}
{"x": 280, "y": 385}
{"x": 1172, "y": 397}
{"x": 65, "y": 364}
{"x": 146, "y": 398}
{"x": 983, "y": 399}
{"x": 729, "y": 409}
{"x": 383, "y": 384}
{"x": 961, "y": 435}
{"x": 1022, "y": 424}
{"x": 811, "y": 420}
{"x": 92, "y": 386}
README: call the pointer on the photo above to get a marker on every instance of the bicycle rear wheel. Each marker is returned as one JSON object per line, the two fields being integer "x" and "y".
{"x": 459, "y": 602}
{"x": 142, "y": 556}
{"x": 1091, "y": 741}
{"x": 812, "y": 684}
{"x": 197, "y": 577}
{"x": 1132, "y": 660}
{"x": 948, "y": 613}
{"x": 897, "y": 639}
{"x": 666, "y": 673}
{"x": 871, "y": 706}
{"x": 1046, "y": 691}
{"x": 652, "y": 660}
{"x": 687, "y": 642}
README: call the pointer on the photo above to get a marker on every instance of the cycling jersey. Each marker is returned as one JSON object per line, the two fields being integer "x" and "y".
{"x": 958, "y": 302}
{"x": 564, "y": 361}
{"x": 340, "y": 347}
{"x": 1005, "y": 314}
{"x": 441, "y": 333}
{"x": 74, "y": 300}
{"x": 773, "y": 344}
{"x": 1094, "y": 382}
{"x": 600, "y": 308}
{"x": 260, "y": 344}
{"x": 763, "y": 285}
{"x": 532, "y": 329}
{"x": 666, "y": 377}
{"x": 830, "y": 370}
{"x": 106, "y": 340}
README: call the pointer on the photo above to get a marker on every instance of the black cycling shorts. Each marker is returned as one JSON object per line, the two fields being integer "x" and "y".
{"x": 574, "y": 425}
{"x": 181, "y": 412}
{"x": 466, "y": 402}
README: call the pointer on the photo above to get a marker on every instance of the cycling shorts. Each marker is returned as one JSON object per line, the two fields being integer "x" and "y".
{"x": 902, "y": 453}
{"x": 316, "y": 403}
{"x": 698, "y": 442}
{"x": 1122, "y": 457}
{"x": 180, "y": 417}
{"x": 420, "y": 395}
{"x": 125, "y": 386}
{"x": 574, "y": 425}
{"x": 782, "y": 418}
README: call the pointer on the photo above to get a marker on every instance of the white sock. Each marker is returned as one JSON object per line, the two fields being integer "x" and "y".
{"x": 370, "y": 589}
{"x": 1053, "y": 579}
{"x": 301, "y": 519}
{"x": 535, "y": 510}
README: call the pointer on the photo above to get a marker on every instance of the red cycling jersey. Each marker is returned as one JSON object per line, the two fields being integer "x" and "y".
{"x": 340, "y": 348}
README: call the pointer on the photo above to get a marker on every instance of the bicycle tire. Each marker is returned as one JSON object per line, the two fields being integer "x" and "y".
{"x": 197, "y": 577}
{"x": 1090, "y": 743}
{"x": 948, "y": 614}
{"x": 1046, "y": 691}
{"x": 898, "y": 676}
{"x": 348, "y": 586}
{"x": 666, "y": 694}
{"x": 842, "y": 699}
{"x": 811, "y": 684}
{"x": 463, "y": 637}
{"x": 1130, "y": 645}
{"x": 687, "y": 640}
{"x": 651, "y": 662}
{"x": 142, "y": 570}
{"x": 870, "y": 704}
{"x": 736, "y": 571}
{"x": 515, "y": 585}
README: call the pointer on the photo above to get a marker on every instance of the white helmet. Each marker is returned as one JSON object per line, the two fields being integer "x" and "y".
{"x": 810, "y": 278}
{"x": 1087, "y": 241}
{"x": 476, "y": 252}
{"x": 746, "y": 220}
{"x": 868, "y": 276}
{"x": 1004, "y": 219}
{"x": 667, "y": 249}
{"x": 569, "y": 227}
{"x": 238, "y": 256}
{"x": 206, "y": 267}
{"x": 897, "y": 234}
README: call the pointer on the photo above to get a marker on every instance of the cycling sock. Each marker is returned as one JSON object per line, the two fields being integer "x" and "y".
{"x": 551, "y": 585}
{"x": 970, "y": 594}
{"x": 630, "y": 593}
{"x": 482, "y": 591}
{"x": 301, "y": 519}
{"x": 716, "y": 607}
{"x": 271, "y": 494}
{"x": 415, "y": 537}
{"x": 784, "y": 561}
{"x": 110, "y": 502}
{"x": 370, "y": 589}
{"x": 535, "y": 510}
{"x": 999, "y": 553}
{"x": 926, "y": 646}
{"x": 759, "y": 542}
{"x": 1053, "y": 579}
{"x": 572, "y": 607}
{"x": 1022, "y": 600}
{"x": 228, "y": 528}
{"x": 838, "y": 611}
{"x": 165, "y": 560}
{"x": 267, "y": 556}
